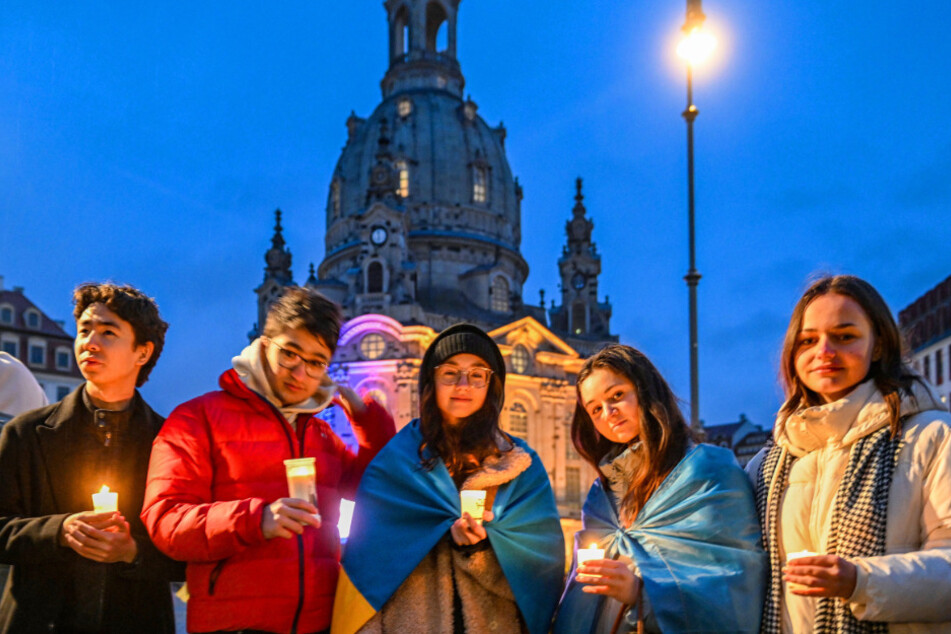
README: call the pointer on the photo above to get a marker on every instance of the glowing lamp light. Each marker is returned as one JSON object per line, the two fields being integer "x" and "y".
{"x": 697, "y": 46}
{"x": 105, "y": 501}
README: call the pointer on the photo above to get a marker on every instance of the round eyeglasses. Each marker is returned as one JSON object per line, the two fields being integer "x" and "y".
{"x": 452, "y": 375}
{"x": 289, "y": 360}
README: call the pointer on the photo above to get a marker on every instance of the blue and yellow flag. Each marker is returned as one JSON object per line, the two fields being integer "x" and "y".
{"x": 403, "y": 510}
{"x": 696, "y": 544}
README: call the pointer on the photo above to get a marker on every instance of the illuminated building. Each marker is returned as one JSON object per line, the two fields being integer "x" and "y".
{"x": 423, "y": 230}
{"x": 926, "y": 325}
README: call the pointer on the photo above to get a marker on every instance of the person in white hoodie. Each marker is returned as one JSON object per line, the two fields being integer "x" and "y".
{"x": 217, "y": 497}
{"x": 854, "y": 495}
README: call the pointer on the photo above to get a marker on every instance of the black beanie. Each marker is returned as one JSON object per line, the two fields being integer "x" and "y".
{"x": 458, "y": 339}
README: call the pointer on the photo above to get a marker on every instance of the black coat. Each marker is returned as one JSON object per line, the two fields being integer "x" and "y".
{"x": 51, "y": 461}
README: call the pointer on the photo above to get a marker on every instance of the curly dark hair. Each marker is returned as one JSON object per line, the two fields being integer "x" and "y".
{"x": 664, "y": 433}
{"x": 305, "y": 308}
{"x": 131, "y": 305}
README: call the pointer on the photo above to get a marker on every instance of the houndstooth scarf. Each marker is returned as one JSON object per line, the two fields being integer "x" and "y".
{"x": 858, "y": 524}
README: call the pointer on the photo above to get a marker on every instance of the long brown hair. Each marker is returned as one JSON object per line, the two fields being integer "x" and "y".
{"x": 464, "y": 446}
{"x": 892, "y": 376}
{"x": 664, "y": 433}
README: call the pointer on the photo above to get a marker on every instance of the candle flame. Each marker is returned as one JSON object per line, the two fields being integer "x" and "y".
{"x": 104, "y": 489}
{"x": 593, "y": 545}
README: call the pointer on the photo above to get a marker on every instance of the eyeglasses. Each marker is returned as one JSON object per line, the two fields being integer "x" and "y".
{"x": 451, "y": 375}
{"x": 289, "y": 360}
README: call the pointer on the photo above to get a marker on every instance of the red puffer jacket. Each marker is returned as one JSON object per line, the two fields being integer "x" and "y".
{"x": 215, "y": 464}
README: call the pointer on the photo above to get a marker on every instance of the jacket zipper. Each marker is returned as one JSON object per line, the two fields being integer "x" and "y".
{"x": 300, "y": 538}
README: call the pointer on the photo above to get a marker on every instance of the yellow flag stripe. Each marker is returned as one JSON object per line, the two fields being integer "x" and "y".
{"x": 351, "y": 610}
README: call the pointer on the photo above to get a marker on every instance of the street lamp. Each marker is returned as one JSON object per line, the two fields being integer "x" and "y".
{"x": 696, "y": 46}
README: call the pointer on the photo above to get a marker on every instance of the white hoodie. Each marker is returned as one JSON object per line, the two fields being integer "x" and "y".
{"x": 250, "y": 368}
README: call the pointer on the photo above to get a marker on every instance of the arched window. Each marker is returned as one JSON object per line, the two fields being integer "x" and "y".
{"x": 403, "y": 168}
{"x": 578, "y": 321}
{"x": 518, "y": 421}
{"x": 480, "y": 184}
{"x": 37, "y": 352}
{"x": 379, "y": 396}
{"x": 500, "y": 295}
{"x": 404, "y": 107}
{"x": 32, "y": 318}
{"x": 63, "y": 355}
{"x": 520, "y": 359}
{"x": 401, "y": 34}
{"x": 372, "y": 346}
{"x": 6, "y": 314}
{"x": 437, "y": 37}
{"x": 375, "y": 278}
{"x": 335, "y": 197}
{"x": 573, "y": 487}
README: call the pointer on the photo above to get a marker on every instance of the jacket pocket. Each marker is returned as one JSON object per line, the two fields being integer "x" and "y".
{"x": 213, "y": 577}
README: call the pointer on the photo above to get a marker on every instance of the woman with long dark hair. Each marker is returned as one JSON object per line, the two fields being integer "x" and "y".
{"x": 675, "y": 520}
{"x": 854, "y": 496}
{"x": 415, "y": 562}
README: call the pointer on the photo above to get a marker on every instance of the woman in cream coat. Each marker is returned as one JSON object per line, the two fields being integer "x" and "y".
{"x": 860, "y": 475}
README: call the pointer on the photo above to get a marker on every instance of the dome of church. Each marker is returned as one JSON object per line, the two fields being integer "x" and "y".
{"x": 423, "y": 211}
{"x": 423, "y": 215}
{"x": 455, "y": 175}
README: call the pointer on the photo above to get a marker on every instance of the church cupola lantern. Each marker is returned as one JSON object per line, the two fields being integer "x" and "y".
{"x": 422, "y": 46}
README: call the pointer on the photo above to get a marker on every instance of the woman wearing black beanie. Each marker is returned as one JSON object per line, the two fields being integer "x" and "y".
{"x": 415, "y": 561}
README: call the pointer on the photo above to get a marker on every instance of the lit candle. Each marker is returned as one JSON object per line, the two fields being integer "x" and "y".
{"x": 473, "y": 503}
{"x": 105, "y": 501}
{"x": 302, "y": 480}
{"x": 591, "y": 553}
{"x": 792, "y": 556}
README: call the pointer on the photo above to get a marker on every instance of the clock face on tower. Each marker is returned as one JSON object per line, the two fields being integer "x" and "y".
{"x": 578, "y": 281}
{"x": 378, "y": 236}
{"x": 379, "y": 174}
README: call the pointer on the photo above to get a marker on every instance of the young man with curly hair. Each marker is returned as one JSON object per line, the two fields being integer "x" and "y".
{"x": 76, "y": 570}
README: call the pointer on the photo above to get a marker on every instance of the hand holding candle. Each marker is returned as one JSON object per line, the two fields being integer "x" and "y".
{"x": 816, "y": 575}
{"x": 473, "y": 503}
{"x": 591, "y": 553}
{"x": 792, "y": 557}
{"x": 302, "y": 480}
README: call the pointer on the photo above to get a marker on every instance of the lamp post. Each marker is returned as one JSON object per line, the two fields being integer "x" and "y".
{"x": 694, "y": 48}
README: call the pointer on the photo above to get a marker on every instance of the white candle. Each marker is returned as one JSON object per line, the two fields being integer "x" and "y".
{"x": 105, "y": 501}
{"x": 799, "y": 555}
{"x": 793, "y": 556}
{"x": 591, "y": 553}
{"x": 302, "y": 479}
{"x": 473, "y": 503}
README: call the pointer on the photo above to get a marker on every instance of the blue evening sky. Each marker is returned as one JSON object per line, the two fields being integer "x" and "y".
{"x": 151, "y": 142}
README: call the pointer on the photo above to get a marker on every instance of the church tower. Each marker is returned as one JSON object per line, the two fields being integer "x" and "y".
{"x": 277, "y": 275}
{"x": 423, "y": 215}
{"x": 581, "y": 319}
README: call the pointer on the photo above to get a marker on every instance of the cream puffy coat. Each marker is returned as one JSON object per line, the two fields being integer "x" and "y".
{"x": 910, "y": 586}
